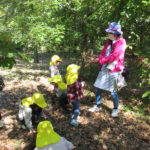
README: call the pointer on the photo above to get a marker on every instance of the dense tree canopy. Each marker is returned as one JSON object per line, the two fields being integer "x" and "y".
{"x": 72, "y": 26}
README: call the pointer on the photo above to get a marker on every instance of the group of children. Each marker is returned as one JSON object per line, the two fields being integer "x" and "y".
{"x": 30, "y": 108}
{"x": 70, "y": 90}
{"x": 109, "y": 79}
{"x": 67, "y": 89}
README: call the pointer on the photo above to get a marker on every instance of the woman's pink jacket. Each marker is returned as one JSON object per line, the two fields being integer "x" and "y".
{"x": 117, "y": 54}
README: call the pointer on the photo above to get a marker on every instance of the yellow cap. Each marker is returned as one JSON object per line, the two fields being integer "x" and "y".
{"x": 55, "y": 79}
{"x": 73, "y": 68}
{"x": 46, "y": 135}
{"x": 39, "y": 100}
{"x": 58, "y": 80}
{"x": 27, "y": 101}
{"x": 72, "y": 74}
{"x": 62, "y": 86}
{"x": 55, "y": 59}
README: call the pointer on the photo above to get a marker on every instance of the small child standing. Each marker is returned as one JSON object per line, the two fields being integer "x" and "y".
{"x": 54, "y": 63}
{"x": 74, "y": 91}
{"x": 30, "y": 109}
{"x": 48, "y": 139}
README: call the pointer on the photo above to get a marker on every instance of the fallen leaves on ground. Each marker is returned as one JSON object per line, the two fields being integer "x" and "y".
{"x": 97, "y": 131}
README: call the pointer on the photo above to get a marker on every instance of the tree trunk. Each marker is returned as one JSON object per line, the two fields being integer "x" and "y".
{"x": 36, "y": 56}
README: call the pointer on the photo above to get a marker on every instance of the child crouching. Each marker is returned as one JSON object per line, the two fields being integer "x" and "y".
{"x": 48, "y": 139}
{"x": 74, "y": 90}
{"x": 30, "y": 109}
{"x": 63, "y": 100}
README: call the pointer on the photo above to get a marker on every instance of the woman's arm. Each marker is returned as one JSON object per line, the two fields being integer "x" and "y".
{"x": 118, "y": 50}
{"x": 103, "y": 53}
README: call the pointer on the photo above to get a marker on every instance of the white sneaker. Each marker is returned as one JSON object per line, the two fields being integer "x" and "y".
{"x": 95, "y": 109}
{"x": 77, "y": 117}
{"x": 115, "y": 113}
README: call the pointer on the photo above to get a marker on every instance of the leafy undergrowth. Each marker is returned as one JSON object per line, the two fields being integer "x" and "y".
{"x": 97, "y": 131}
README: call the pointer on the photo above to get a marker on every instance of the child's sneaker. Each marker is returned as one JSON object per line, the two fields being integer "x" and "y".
{"x": 77, "y": 117}
{"x": 74, "y": 122}
{"x": 115, "y": 113}
{"x": 23, "y": 126}
{"x": 95, "y": 108}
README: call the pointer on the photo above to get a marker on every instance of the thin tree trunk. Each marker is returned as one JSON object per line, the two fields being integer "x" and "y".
{"x": 36, "y": 56}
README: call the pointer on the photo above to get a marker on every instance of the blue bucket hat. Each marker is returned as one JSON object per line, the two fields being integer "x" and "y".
{"x": 114, "y": 28}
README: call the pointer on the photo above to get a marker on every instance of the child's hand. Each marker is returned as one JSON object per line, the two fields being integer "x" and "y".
{"x": 43, "y": 115}
{"x": 83, "y": 84}
{"x": 52, "y": 88}
{"x": 31, "y": 132}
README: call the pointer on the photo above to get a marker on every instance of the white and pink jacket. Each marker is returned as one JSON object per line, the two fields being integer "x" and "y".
{"x": 117, "y": 54}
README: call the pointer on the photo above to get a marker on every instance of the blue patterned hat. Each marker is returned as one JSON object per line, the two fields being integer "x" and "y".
{"x": 114, "y": 28}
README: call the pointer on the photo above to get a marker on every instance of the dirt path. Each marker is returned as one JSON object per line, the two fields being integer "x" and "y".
{"x": 97, "y": 131}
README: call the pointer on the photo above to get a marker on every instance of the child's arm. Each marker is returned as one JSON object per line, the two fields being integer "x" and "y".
{"x": 27, "y": 118}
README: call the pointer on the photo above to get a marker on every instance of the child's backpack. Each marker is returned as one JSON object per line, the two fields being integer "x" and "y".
{"x": 2, "y": 85}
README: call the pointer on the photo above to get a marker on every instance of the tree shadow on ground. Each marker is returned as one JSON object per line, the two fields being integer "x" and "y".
{"x": 27, "y": 75}
{"x": 97, "y": 131}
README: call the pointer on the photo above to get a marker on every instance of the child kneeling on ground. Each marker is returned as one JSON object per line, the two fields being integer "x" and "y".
{"x": 48, "y": 139}
{"x": 30, "y": 109}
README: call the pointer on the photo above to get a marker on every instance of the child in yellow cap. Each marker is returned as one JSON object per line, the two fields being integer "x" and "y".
{"x": 54, "y": 63}
{"x": 59, "y": 88}
{"x": 54, "y": 71}
{"x": 48, "y": 139}
{"x": 74, "y": 90}
{"x": 30, "y": 109}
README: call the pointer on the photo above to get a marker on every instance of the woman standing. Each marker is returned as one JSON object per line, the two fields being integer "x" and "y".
{"x": 111, "y": 61}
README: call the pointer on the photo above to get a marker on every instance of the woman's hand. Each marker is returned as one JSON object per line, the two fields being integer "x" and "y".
{"x": 94, "y": 59}
{"x": 73, "y": 148}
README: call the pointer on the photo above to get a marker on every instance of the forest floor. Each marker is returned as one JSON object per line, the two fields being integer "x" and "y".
{"x": 97, "y": 131}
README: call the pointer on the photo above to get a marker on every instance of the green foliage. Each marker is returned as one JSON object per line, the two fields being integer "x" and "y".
{"x": 76, "y": 27}
{"x": 7, "y": 62}
{"x": 146, "y": 94}
{"x": 139, "y": 112}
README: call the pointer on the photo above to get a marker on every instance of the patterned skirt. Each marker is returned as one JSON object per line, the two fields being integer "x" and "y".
{"x": 106, "y": 80}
